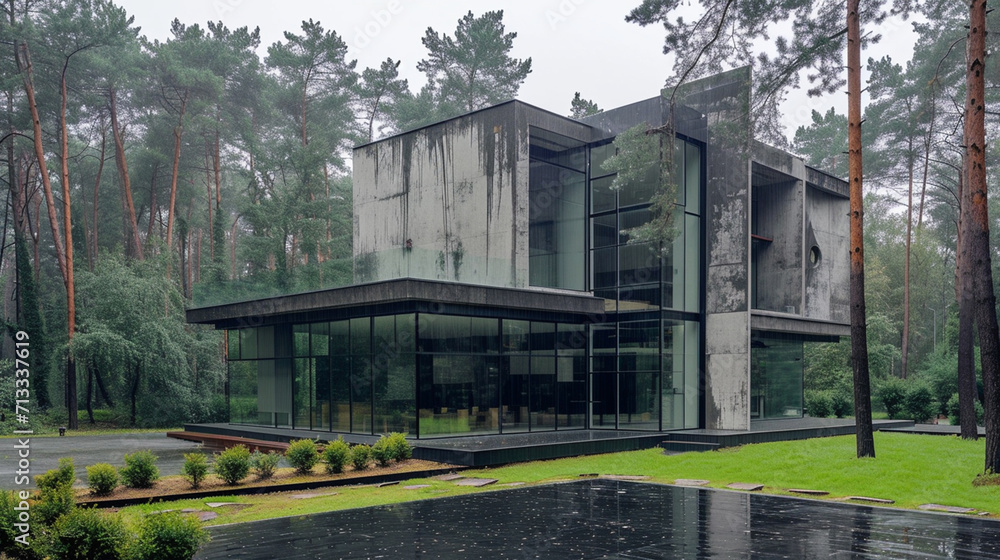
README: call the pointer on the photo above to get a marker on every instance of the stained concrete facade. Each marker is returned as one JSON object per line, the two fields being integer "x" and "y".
{"x": 450, "y": 219}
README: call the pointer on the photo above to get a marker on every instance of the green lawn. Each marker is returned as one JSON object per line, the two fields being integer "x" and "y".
{"x": 910, "y": 469}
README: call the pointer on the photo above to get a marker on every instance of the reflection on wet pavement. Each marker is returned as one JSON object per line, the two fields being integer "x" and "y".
{"x": 611, "y": 519}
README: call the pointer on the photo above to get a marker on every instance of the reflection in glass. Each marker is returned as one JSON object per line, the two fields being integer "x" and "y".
{"x": 775, "y": 377}
{"x": 243, "y": 392}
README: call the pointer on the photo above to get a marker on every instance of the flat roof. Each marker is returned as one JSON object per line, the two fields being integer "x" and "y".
{"x": 379, "y": 297}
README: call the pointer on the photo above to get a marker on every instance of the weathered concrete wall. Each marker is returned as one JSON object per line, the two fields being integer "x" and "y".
{"x": 724, "y": 102}
{"x": 827, "y": 289}
{"x": 456, "y": 190}
{"x": 778, "y": 205}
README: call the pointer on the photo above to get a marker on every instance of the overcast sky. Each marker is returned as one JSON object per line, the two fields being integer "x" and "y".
{"x": 575, "y": 45}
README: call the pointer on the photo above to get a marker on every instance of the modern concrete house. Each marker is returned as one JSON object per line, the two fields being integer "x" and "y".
{"x": 498, "y": 290}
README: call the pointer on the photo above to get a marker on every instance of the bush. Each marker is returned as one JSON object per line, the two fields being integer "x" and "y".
{"x": 195, "y": 468}
{"x": 233, "y": 464}
{"x": 140, "y": 470}
{"x": 818, "y": 404}
{"x": 918, "y": 403}
{"x": 88, "y": 534}
{"x": 361, "y": 455}
{"x": 169, "y": 536}
{"x": 302, "y": 455}
{"x": 264, "y": 464}
{"x": 55, "y": 492}
{"x": 336, "y": 455}
{"x": 401, "y": 449}
{"x": 952, "y": 407}
{"x": 102, "y": 479}
{"x": 842, "y": 402}
{"x": 381, "y": 452}
{"x": 892, "y": 394}
{"x": 8, "y": 517}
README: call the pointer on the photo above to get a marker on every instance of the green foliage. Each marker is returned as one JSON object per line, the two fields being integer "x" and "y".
{"x": 233, "y": 464}
{"x": 63, "y": 475}
{"x": 818, "y": 404}
{"x": 157, "y": 370}
{"x": 169, "y": 536}
{"x": 826, "y": 365}
{"x": 918, "y": 403}
{"x": 140, "y": 470}
{"x": 31, "y": 322}
{"x": 335, "y": 455}
{"x": 302, "y": 455}
{"x": 580, "y": 107}
{"x": 195, "y": 468}
{"x": 88, "y": 534}
{"x": 381, "y": 452}
{"x": 953, "y": 411}
{"x": 645, "y": 156}
{"x": 823, "y": 143}
{"x": 474, "y": 68}
{"x": 891, "y": 392}
{"x": 842, "y": 402}
{"x": 102, "y": 479}
{"x": 8, "y": 517}
{"x": 361, "y": 456}
{"x": 400, "y": 449}
{"x": 264, "y": 464}
{"x": 938, "y": 372}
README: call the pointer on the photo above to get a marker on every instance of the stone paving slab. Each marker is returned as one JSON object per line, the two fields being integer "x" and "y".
{"x": 625, "y": 476}
{"x": 384, "y": 484}
{"x": 513, "y": 484}
{"x": 870, "y": 500}
{"x": 448, "y": 477}
{"x": 808, "y": 492}
{"x": 475, "y": 482}
{"x": 946, "y": 509}
{"x": 221, "y": 504}
{"x": 690, "y": 482}
{"x": 312, "y": 495}
{"x": 749, "y": 487}
{"x": 416, "y": 486}
{"x": 207, "y": 515}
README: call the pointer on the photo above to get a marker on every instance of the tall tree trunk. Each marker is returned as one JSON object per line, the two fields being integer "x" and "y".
{"x": 979, "y": 229}
{"x": 97, "y": 186}
{"x": 967, "y": 393}
{"x": 103, "y": 389}
{"x": 859, "y": 334}
{"x": 178, "y": 130}
{"x": 904, "y": 362}
{"x": 90, "y": 393}
{"x": 68, "y": 226}
{"x": 132, "y": 241}
{"x": 63, "y": 256}
{"x": 152, "y": 203}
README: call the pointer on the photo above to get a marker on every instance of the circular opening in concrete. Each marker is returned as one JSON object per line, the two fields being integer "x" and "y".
{"x": 814, "y": 256}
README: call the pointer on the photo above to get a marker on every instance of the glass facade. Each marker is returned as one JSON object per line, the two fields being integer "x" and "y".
{"x": 427, "y": 374}
{"x": 645, "y": 360}
{"x": 775, "y": 376}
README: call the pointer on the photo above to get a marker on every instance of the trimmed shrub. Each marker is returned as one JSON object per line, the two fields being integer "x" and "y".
{"x": 918, "y": 404}
{"x": 169, "y": 536}
{"x": 891, "y": 393}
{"x": 842, "y": 403}
{"x": 140, "y": 470}
{"x": 381, "y": 452}
{"x": 233, "y": 464}
{"x": 401, "y": 449}
{"x": 336, "y": 455}
{"x": 8, "y": 517}
{"x": 102, "y": 479}
{"x": 55, "y": 492}
{"x": 88, "y": 534}
{"x": 818, "y": 404}
{"x": 361, "y": 455}
{"x": 264, "y": 464}
{"x": 63, "y": 475}
{"x": 195, "y": 468}
{"x": 303, "y": 455}
{"x": 953, "y": 417}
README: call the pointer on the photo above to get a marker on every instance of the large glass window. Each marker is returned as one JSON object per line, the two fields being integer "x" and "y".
{"x": 775, "y": 377}
{"x": 557, "y": 211}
